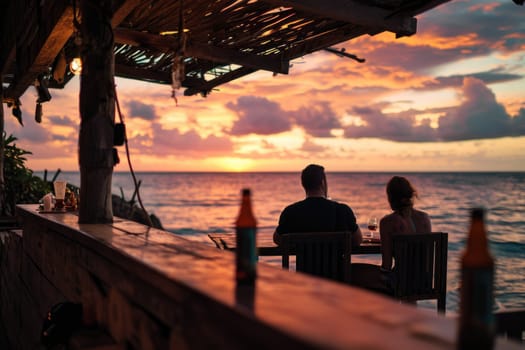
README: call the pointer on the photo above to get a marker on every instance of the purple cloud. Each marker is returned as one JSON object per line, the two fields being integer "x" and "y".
{"x": 489, "y": 77}
{"x": 518, "y": 123}
{"x": 317, "y": 120}
{"x": 62, "y": 121}
{"x": 32, "y": 133}
{"x": 416, "y": 58}
{"x": 395, "y": 127}
{"x": 312, "y": 147}
{"x": 484, "y": 18}
{"x": 479, "y": 116}
{"x": 141, "y": 110}
{"x": 464, "y": 30}
{"x": 173, "y": 142}
{"x": 258, "y": 115}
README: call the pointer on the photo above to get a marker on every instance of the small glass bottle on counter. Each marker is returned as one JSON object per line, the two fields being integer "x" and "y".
{"x": 246, "y": 251}
{"x": 476, "y": 320}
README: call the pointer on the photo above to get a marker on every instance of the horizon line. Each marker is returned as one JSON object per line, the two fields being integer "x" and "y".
{"x": 296, "y": 171}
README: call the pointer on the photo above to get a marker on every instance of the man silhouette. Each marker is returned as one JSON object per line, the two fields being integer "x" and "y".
{"x": 317, "y": 213}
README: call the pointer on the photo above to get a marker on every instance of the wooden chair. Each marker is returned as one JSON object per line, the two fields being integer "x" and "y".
{"x": 323, "y": 254}
{"x": 421, "y": 267}
{"x": 511, "y": 323}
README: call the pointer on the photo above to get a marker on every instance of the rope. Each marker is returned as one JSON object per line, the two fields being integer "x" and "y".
{"x": 148, "y": 218}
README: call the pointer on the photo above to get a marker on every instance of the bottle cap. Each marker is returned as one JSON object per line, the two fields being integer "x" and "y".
{"x": 245, "y": 191}
{"x": 477, "y": 213}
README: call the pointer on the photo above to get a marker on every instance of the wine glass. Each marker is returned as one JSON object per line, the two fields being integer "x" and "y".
{"x": 372, "y": 227}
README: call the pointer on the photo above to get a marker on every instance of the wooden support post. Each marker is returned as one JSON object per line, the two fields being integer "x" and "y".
{"x": 2, "y": 150}
{"x": 97, "y": 112}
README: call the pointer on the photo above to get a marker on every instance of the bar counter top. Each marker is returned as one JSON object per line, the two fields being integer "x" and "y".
{"x": 190, "y": 288}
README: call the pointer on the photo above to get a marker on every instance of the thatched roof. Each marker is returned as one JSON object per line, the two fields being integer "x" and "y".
{"x": 223, "y": 39}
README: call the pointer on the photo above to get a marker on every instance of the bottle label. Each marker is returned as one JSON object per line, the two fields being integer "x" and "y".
{"x": 246, "y": 254}
{"x": 477, "y": 296}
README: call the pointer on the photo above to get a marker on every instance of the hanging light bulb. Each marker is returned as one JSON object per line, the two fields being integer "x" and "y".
{"x": 75, "y": 66}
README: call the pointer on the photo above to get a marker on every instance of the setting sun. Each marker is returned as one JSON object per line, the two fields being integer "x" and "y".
{"x": 235, "y": 164}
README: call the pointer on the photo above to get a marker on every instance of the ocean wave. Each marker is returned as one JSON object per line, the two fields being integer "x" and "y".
{"x": 184, "y": 231}
{"x": 445, "y": 216}
{"x": 206, "y": 204}
{"x": 508, "y": 249}
{"x": 456, "y": 246}
{"x": 506, "y": 223}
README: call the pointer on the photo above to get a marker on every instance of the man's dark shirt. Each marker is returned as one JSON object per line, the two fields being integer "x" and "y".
{"x": 317, "y": 214}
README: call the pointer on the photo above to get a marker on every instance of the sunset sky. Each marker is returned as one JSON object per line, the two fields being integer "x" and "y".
{"x": 449, "y": 98}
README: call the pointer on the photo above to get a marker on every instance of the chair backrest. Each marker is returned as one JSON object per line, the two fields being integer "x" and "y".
{"x": 511, "y": 322}
{"x": 421, "y": 267}
{"x": 324, "y": 254}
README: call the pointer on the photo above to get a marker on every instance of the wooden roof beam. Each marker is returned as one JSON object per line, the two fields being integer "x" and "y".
{"x": 129, "y": 72}
{"x": 206, "y": 87}
{"x": 35, "y": 54}
{"x": 416, "y": 10}
{"x": 123, "y": 10}
{"x": 7, "y": 39}
{"x": 55, "y": 27}
{"x": 354, "y": 12}
{"x": 202, "y": 51}
{"x": 193, "y": 85}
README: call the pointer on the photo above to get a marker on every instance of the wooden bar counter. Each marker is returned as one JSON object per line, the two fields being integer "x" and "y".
{"x": 151, "y": 289}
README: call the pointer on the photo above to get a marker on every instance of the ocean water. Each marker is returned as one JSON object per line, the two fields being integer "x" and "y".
{"x": 195, "y": 204}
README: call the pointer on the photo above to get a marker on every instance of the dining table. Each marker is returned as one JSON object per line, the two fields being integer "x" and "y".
{"x": 267, "y": 247}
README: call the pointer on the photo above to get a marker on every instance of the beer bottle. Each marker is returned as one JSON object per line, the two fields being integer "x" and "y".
{"x": 245, "y": 230}
{"x": 476, "y": 320}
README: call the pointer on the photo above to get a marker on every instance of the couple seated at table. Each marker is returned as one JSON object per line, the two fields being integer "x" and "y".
{"x": 317, "y": 213}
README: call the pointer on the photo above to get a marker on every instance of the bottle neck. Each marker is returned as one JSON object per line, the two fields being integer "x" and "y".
{"x": 477, "y": 252}
{"x": 246, "y": 217}
{"x": 477, "y": 238}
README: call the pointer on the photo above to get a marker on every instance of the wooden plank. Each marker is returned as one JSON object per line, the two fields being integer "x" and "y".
{"x": 40, "y": 287}
{"x": 36, "y": 52}
{"x": 273, "y": 64}
{"x": 130, "y": 72}
{"x": 31, "y": 320}
{"x": 354, "y": 12}
{"x": 10, "y": 286}
{"x": 7, "y": 39}
{"x": 208, "y": 86}
{"x": 203, "y": 51}
{"x": 124, "y": 8}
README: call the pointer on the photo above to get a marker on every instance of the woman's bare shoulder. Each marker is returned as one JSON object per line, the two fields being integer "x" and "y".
{"x": 422, "y": 221}
{"x": 391, "y": 220}
{"x": 421, "y": 214}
